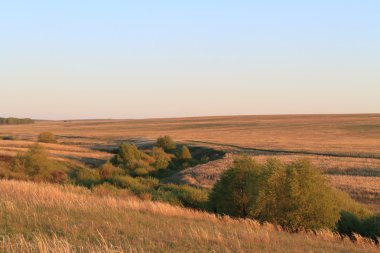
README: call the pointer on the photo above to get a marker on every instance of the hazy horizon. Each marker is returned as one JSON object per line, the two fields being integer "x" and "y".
{"x": 165, "y": 59}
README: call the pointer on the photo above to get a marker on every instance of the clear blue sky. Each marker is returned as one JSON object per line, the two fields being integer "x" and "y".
{"x": 139, "y": 59}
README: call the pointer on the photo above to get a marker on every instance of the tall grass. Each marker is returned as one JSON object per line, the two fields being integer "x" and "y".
{"x": 38, "y": 217}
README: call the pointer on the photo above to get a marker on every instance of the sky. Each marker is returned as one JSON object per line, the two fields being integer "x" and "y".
{"x": 86, "y": 59}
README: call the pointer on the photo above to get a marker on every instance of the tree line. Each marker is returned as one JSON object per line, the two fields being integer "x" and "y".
{"x": 15, "y": 121}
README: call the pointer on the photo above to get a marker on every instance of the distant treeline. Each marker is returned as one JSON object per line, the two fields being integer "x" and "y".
{"x": 15, "y": 121}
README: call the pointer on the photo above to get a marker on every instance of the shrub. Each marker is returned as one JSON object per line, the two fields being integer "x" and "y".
{"x": 183, "y": 195}
{"x": 106, "y": 189}
{"x": 9, "y": 138}
{"x": 59, "y": 177}
{"x": 47, "y": 137}
{"x": 109, "y": 171}
{"x": 140, "y": 172}
{"x": 348, "y": 224}
{"x": 162, "y": 159}
{"x": 184, "y": 154}
{"x": 130, "y": 157}
{"x": 37, "y": 165}
{"x": 87, "y": 177}
{"x": 287, "y": 195}
{"x": 205, "y": 159}
{"x": 136, "y": 185}
{"x": 167, "y": 143}
{"x": 371, "y": 227}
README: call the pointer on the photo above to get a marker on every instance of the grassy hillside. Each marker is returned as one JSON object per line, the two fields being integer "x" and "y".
{"x": 51, "y": 218}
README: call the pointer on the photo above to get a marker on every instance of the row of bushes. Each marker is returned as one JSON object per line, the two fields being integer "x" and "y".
{"x": 15, "y": 121}
{"x": 36, "y": 165}
{"x": 163, "y": 155}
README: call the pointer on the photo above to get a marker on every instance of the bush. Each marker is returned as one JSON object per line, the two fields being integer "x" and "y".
{"x": 162, "y": 159}
{"x": 37, "y": 165}
{"x": 167, "y": 143}
{"x": 183, "y": 195}
{"x": 9, "y": 138}
{"x": 371, "y": 227}
{"x": 129, "y": 157}
{"x": 107, "y": 189}
{"x": 140, "y": 172}
{"x": 287, "y": 195}
{"x": 87, "y": 177}
{"x": 349, "y": 224}
{"x": 184, "y": 154}
{"x": 136, "y": 185}
{"x": 205, "y": 159}
{"x": 47, "y": 137}
{"x": 109, "y": 171}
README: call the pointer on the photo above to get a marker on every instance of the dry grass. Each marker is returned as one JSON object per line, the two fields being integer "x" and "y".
{"x": 57, "y": 151}
{"x": 350, "y": 134}
{"x": 363, "y": 189}
{"x": 50, "y": 218}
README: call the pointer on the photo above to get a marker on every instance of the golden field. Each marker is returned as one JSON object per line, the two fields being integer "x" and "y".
{"x": 343, "y": 134}
{"x": 39, "y": 217}
{"x": 346, "y": 145}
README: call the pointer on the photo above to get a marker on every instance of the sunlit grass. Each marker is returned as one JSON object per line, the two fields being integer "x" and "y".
{"x": 52, "y": 218}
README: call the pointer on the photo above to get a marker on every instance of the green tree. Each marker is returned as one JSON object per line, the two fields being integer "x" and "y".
{"x": 296, "y": 196}
{"x": 230, "y": 195}
{"x": 47, "y": 137}
{"x": 167, "y": 143}
{"x": 184, "y": 154}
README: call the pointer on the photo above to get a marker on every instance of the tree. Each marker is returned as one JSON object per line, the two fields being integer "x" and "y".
{"x": 167, "y": 143}
{"x": 15, "y": 121}
{"x": 47, "y": 137}
{"x": 230, "y": 195}
{"x": 295, "y": 196}
{"x": 184, "y": 154}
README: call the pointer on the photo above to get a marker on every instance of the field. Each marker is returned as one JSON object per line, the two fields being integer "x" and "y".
{"x": 346, "y": 148}
{"x": 51, "y": 218}
{"x": 346, "y": 145}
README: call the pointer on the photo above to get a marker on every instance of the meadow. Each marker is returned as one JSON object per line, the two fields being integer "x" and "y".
{"x": 337, "y": 144}
{"x": 38, "y": 217}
